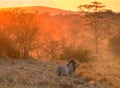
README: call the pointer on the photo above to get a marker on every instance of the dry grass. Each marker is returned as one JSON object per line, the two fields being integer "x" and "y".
{"x": 105, "y": 72}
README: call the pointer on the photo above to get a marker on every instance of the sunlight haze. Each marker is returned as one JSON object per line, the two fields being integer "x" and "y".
{"x": 61, "y": 4}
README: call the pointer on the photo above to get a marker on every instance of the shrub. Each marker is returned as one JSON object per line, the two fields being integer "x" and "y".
{"x": 79, "y": 54}
{"x": 114, "y": 45}
{"x": 8, "y": 48}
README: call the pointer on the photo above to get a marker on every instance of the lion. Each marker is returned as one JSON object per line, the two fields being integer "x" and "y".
{"x": 68, "y": 69}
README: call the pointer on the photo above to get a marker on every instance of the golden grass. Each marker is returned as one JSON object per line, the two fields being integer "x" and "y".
{"x": 42, "y": 74}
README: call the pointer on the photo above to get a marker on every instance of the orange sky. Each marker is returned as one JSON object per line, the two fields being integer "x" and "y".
{"x": 62, "y": 4}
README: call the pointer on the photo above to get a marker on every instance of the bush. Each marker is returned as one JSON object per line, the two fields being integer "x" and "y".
{"x": 114, "y": 45}
{"x": 8, "y": 48}
{"x": 80, "y": 55}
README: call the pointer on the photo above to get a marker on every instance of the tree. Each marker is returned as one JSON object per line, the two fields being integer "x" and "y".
{"x": 93, "y": 11}
{"x": 8, "y": 46}
{"x": 49, "y": 48}
{"x": 26, "y": 32}
{"x": 93, "y": 7}
{"x": 18, "y": 34}
{"x": 114, "y": 42}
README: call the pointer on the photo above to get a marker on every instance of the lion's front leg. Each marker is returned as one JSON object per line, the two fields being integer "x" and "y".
{"x": 71, "y": 74}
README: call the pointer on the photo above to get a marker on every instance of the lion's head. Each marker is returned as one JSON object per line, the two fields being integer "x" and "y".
{"x": 74, "y": 64}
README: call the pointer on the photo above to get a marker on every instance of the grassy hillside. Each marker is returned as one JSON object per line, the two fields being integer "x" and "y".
{"x": 103, "y": 73}
{"x": 42, "y": 9}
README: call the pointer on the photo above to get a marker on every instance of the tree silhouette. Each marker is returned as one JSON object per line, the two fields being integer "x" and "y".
{"x": 93, "y": 11}
{"x": 25, "y": 31}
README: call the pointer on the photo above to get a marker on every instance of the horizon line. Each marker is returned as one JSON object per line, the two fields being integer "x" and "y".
{"x": 5, "y": 7}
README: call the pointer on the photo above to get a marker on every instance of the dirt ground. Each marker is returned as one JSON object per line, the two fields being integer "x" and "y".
{"x": 102, "y": 73}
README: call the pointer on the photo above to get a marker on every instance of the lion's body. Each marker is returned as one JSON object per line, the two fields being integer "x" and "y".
{"x": 64, "y": 70}
{"x": 68, "y": 69}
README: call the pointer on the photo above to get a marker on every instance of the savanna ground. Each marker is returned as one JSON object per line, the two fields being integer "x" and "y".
{"x": 102, "y": 73}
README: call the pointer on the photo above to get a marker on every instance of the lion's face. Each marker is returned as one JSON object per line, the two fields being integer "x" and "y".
{"x": 74, "y": 64}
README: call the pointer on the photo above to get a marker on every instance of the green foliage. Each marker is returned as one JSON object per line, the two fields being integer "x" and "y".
{"x": 114, "y": 45}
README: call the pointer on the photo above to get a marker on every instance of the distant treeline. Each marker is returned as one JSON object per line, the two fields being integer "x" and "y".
{"x": 62, "y": 36}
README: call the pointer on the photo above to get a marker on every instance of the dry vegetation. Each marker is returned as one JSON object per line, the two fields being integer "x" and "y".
{"x": 42, "y": 74}
{"x": 57, "y": 38}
